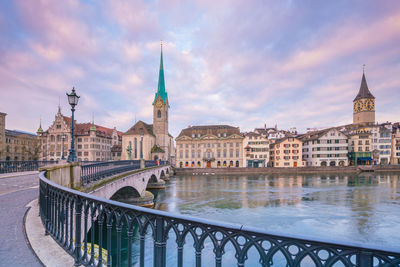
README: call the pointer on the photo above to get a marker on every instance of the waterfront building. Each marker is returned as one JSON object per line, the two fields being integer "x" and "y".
{"x": 116, "y": 151}
{"x": 92, "y": 142}
{"x": 256, "y": 150}
{"x": 15, "y": 144}
{"x": 328, "y": 147}
{"x": 360, "y": 152}
{"x": 364, "y": 105}
{"x": 209, "y": 146}
{"x": 395, "y": 153}
{"x": 287, "y": 152}
{"x": 381, "y": 137}
{"x": 151, "y": 141}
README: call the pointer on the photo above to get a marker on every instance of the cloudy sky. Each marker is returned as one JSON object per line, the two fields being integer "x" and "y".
{"x": 243, "y": 63}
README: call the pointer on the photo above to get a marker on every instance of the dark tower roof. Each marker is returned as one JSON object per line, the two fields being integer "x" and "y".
{"x": 364, "y": 91}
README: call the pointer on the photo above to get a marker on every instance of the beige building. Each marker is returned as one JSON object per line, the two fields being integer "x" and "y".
{"x": 395, "y": 155}
{"x": 360, "y": 147}
{"x": 256, "y": 150}
{"x": 364, "y": 105}
{"x": 211, "y": 146}
{"x": 151, "y": 141}
{"x": 92, "y": 142}
{"x": 287, "y": 152}
{"x": 17, "y": 145}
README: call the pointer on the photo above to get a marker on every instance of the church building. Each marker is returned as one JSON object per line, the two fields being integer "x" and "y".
{"x": 151, "y": 141}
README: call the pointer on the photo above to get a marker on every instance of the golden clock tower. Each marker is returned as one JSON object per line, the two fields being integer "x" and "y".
{"x": 364, "y": 105}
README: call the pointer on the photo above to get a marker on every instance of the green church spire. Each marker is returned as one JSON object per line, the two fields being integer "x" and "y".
{"x": 161, "y": 83}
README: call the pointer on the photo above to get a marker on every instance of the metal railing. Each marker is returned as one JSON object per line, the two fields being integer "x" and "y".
{"x": 22, "y": 166}
{"x": 152, "y": 163}
{"x": 96, "y": 171}
{"x": 65, "y": 213}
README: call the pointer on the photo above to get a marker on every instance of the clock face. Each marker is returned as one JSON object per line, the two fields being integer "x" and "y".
{"x": 357, "y": 106}
{"x": 159, "y": 103}
{"x": 369, "y": 105}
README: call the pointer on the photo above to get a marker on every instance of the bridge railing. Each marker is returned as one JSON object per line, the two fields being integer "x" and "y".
{"x": 152, "y": 163}
{"x": 65, "y": 213}
{"x": 22, "y": 166}
{"x": 96, "y": 171}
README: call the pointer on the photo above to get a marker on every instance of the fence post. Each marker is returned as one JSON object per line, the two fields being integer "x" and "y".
{"x": 78, "y": 215}
{"x": 159, "y": 243}
{"x": 365, "y": 259}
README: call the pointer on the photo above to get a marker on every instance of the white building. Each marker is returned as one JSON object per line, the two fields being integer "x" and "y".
{"x": 256, "y": 150}
{"x": 381, "y": 143}
{"x": 327, "y": 147}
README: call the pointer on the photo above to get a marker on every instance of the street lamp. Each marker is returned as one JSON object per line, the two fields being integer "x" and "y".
{"x": 73, "y": 101}
{"x": 63, "y": 139}
{"x": 141, "y": 146}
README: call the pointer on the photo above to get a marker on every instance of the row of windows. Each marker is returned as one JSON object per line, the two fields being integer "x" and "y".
{"x": 287, "y": 145}
{"x": 199, "y": 164}
{"x": 260, "y": 156}
{"x": 209, "y": 154}
{"x": 287, "y": 157}
{"x": 208, "y": 145}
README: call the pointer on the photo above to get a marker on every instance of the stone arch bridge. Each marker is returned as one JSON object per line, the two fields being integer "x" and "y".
{"x": 133, "y": 185}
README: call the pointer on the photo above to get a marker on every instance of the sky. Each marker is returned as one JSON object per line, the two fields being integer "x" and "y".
{"x": 242, "y": 63}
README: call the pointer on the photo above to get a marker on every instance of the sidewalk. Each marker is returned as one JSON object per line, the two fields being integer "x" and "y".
{"x": 45, "y": 248}
{"x": 13, "y": 174}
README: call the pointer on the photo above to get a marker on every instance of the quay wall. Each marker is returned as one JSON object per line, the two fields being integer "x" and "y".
{"x": 289, "y": 170}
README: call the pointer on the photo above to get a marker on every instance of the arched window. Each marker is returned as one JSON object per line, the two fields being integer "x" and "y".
{"x": 186, "y": 164}
{"x": 237, "y": 163}
{"x": 192, "y": 163}
{"x": 219, "y": 164}
{"x": 198, "y": 164}
{"x": 158, "y": 113}
{"x": 224, "y": 163}
{"x": 181, "y": 164}
{"x": 231, "y": 163}
{"x": 52, "y": 138}
{"x": 58, "y": 138}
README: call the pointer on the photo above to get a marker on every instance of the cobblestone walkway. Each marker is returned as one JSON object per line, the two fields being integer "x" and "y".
{"x": 15, "y": 194}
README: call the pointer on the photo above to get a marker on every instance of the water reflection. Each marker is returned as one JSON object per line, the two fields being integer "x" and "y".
{"x": 362, "y": 208}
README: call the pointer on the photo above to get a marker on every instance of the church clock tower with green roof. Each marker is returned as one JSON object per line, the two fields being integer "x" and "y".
{"x": 160, "y": 114}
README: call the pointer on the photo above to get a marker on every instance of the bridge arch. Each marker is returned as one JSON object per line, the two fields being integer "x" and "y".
{"x": 125, "y": 193}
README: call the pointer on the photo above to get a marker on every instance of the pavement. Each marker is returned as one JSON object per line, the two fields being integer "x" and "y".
{"x": 23, "y": 242}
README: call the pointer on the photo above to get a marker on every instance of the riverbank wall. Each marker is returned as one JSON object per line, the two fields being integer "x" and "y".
{"x": 289, "y": 170}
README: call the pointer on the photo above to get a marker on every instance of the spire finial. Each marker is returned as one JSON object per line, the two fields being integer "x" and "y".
{"x": 161, "y": 45}
{"x": 59, "y": 105}
{"x": 363, "y": 68}
{"x": 93, "y": 128}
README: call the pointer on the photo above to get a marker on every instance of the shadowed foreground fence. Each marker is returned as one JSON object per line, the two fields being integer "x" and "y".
{"x": 65, "y": 213}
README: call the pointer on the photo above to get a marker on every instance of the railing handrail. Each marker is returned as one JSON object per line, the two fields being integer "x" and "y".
{"x": 228, "y": 226}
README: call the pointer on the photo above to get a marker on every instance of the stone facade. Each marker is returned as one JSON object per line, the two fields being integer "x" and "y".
{"x": 92, "y": 142}
{"x": 17, "y": 145}
{"x": 256, "y": 150}
{"x": 287, "y": 152}
{"x": 327, "y": 147}
{"x": 211, "y": 146}
{"x": 360, "y": 147}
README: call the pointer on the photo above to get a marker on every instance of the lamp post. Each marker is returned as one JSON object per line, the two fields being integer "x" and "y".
{"x": 141, "y": 146}
{"x": 73, "y": 101}
{"x": 63, "y": 139}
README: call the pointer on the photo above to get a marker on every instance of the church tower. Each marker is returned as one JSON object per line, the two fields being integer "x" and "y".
{"x": 364, "y": 105}
{"x": 160, "y": 112}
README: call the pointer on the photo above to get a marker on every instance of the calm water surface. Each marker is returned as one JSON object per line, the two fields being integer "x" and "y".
{"x": 358, "y": 208}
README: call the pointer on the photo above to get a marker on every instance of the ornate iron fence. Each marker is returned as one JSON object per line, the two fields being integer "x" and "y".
{"x": 65, "y": 213}
{"x": 22, "y": 166}
{"x": 152, "y": 163}
{"x": 96, "y": 171}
